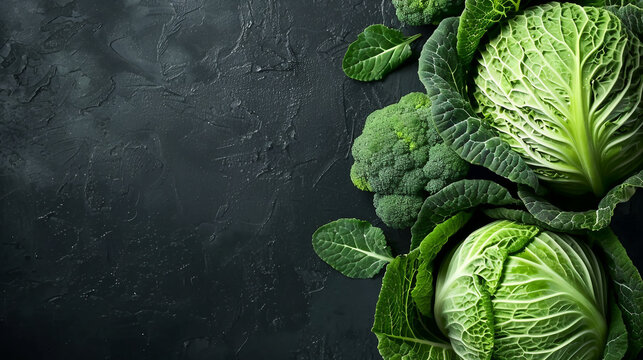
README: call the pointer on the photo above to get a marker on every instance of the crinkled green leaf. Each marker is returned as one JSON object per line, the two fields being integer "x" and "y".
{"x": 442, "y": 230}
{"x": 402, "y": 331}
{"x": 353, "y": 247}
{"x": 627, "y": 285}
{"x": 521, "y": 216}
{"x": 429, "y": 249}
{"x": 616, "y": 345}
{"x": 444, "y": 78}
{"x": 593, "y": 220}
{"x": 478, "y": 16}
{"x": 631, "y": 16}
{"x": 459, "y": 196}
{"x": 376, "y": 52}
{"x": 517, "y": 215}
{"x": 620, "y": 3}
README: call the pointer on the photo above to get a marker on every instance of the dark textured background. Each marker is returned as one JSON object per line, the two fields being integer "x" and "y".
{"x": 162, "y": 167}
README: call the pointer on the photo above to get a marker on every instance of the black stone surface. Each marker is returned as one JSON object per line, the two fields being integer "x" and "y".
{"x": 162, "y": 167}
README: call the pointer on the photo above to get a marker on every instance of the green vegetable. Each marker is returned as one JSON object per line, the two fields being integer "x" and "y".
{"x": 397, "y": 211}
{"x": 626, "y": 284}
{"x": 401, "y": 330}
{"x": 510, "y": 291}
{"x": 562, "y": 85}
{"x": 422, "y": 12}
{"x": 462, "y": 195}
{"x": 404, "y": 322}
{"x": 553, "y": 98}
{"x": 400, "y": 157}
{"x": 376, "y": 52}
{"x": 597, "y": 219}
{"x": 445, "y": 76}
{"x": 429, "y": 249}
{"x": 352, "y": 247}
{"x": 631, "y": 16}
{"x": 527, "y": 295}
{"x": 481, "y": 15}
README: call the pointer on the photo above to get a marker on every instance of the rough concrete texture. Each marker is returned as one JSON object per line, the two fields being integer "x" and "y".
{"x": 162, "y": 167}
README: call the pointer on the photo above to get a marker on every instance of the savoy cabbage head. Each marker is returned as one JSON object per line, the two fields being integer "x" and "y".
{"x": 520, "y": 293}
{"x": 562, "y": 85}
{"x": 552, "y": 101}
{"x": 509, "y": 291}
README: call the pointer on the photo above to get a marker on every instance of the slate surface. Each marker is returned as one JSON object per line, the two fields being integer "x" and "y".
{"x": 162, "y": 167}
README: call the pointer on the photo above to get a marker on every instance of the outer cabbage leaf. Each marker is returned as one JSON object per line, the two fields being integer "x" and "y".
{"x": 517, "y": 215}
{"x": 616, "y": 346}
{"x": 478, "y": 16}
{"x": 562, "y": 84}
{"x": 402, "y": 331}
{"x": 444, "y": 78}
{"x": 620, "y": 3}
{"x": 459, "y": 196}
{"x": 429, "y": 249}
{"x": 627, "y": 285}
{"x": 568, "y": 221}
{"x": 631, "y": 15}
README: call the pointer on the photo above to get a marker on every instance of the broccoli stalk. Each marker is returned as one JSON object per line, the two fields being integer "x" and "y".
{"x": 401, "y": 158}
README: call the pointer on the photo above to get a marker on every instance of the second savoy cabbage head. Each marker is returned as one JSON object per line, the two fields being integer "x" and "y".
{"x": 519, "y": 293}
{"x": 562, "y": 84}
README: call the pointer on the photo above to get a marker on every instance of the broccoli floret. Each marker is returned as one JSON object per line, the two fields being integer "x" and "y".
{"x": 400, "y": 153}
{"x": 445, "y": 167}
{"x": 423, "y": 12}
{"x": 397, "y": 211}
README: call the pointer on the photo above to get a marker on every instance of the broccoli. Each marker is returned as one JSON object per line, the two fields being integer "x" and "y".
{"x": 401, "y": 158}
{"x": 397, "y": 211}
{"x": 423, "y": 12}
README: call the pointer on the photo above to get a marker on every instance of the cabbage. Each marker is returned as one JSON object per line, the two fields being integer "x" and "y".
{"x": 522, "y": 294}
{"x": 510, "y": 290}
{"x": 562, "y": 85}
{"x": 552, "y": 102}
